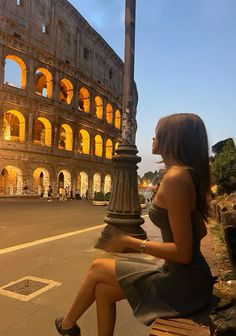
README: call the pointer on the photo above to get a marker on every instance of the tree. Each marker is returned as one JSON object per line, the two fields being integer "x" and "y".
{"x": 223, "y": 167}
{"x": 150, "y": 178}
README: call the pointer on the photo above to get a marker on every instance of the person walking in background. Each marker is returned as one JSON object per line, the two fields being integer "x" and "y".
{"x": 183, "y": 284}
{"x": 61, "y": 194}
{"x": 42, "y": 192}
{"x": 50, "y": 190}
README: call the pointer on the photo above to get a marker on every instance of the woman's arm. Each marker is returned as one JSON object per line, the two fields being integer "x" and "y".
{"x": 178, "y": 201}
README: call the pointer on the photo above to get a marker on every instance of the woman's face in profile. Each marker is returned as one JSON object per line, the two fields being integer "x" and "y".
{"x": 154, "y": 145}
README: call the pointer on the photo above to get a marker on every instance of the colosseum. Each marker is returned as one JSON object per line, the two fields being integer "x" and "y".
{"x": 60, "y": 100}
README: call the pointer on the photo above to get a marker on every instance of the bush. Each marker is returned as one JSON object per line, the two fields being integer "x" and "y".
{"x": 223, "y": 168}
{"x": 99, "y": 196}
{"x": 142, "y": 199}
{"x": 108, "y": 196}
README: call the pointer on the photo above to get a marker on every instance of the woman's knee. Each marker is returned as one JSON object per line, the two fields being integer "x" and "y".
{"x": 102, "y": 269}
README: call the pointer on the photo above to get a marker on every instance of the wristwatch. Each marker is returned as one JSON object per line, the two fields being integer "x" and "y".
{"x": 143, "y": 245}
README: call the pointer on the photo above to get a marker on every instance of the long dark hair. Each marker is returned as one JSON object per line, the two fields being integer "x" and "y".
{"x": 183, "y": 137}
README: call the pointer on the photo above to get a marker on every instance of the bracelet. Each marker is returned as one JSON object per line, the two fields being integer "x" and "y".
{"x": 143, "y": 245}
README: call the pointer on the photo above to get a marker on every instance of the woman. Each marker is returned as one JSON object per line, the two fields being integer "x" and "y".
{"x": 183, "y": 284}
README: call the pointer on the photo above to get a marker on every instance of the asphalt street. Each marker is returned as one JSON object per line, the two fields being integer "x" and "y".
{"x": 53, "y": 242}
{"x": 25, "y": 220}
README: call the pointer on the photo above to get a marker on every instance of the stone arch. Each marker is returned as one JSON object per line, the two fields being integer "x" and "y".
{"x": 65, "y": 137}
{"x": 43, "y": 84}
{"x": 98, "y": 146}
{"x": 21, "y": 76}
{"x": 84, "y": 142}
{"x": 98, "y": 106}
{"x": 118, "y": 119}
{"x": 41, "y": 181}
{"x": 11, "y": 181}
{"x": 64, "y": 179}
{"x": 66, "y": 91}
{"x": 42, "y": 132}
{"x": 109, "y": 149}
{"x": 82, "y": 183}
{"x": 97, "y": 183}
{"x": 109, "y": 113}
{"x": 116, "y": 146}
{"x": 14, "y": 126}
{"x": 107, "y": 183}
{"x": 84, "y": 100}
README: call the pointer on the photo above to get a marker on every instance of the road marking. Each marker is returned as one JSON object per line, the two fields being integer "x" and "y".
{"x": 49, "y": 239}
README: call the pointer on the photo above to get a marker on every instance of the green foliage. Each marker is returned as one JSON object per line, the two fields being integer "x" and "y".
{"x": 142, "y": 199}
{"x": 223, "y": 169}
{"x": 108, "y": 196}
{"x": 150, "y": 177}
{"x": 99, "y": 196}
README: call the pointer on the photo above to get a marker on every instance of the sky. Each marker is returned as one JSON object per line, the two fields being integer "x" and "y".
{"x": 185, "y": 61}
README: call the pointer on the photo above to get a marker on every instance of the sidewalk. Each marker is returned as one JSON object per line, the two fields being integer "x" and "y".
{"x": 65, "y": 261}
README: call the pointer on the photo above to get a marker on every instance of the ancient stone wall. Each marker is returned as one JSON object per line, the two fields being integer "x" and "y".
{"x": 60, "y": 124}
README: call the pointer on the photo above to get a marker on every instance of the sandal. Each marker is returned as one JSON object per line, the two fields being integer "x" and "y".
{"x": 74, "y": 331}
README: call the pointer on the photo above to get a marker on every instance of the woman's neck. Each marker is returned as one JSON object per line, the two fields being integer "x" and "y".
{"x": 169, "y": 162}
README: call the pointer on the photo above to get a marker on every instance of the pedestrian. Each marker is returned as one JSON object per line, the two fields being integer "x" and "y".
{"x": 183, "y": 284}
{"x": 42, "y": 192}
{"x": 71, "y": 194}
{"x": 61, "y": 193}
{"x": 50, "y": 190}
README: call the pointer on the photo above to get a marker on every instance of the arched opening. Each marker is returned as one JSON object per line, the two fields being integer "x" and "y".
{"x": 117, "y": 119}
{"x": 11, "y": 181}
{"x": 84, "y": 142}
{"x": 116, "y": 146}
{"x": 65, "y": 137}
{"x": 66, "y": 91}
{"x": 98, "y": 106}
{"x": 82, "y": 184}
{"x": 109, "y": 113}
{"x": 3, "y": 182}
{"x": 14, "y": 126}
{"x": 64, "y": 179}
{"x": 41, "y": 181}
{"x": 42, "y": 132}
{"x": 43, "y": 85}
{"x": 97, "y": 183}
{"x": 15, "y": 71}
{"x": 98, "y": 145}
{"x": 109, "y": 149}
{"x": 107, "y": 184}
{"x": 84, "y": 100}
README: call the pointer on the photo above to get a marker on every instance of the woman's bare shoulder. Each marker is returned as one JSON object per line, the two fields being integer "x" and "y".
{"x": 177, "y": 174}
{"x": 178, "y": 186}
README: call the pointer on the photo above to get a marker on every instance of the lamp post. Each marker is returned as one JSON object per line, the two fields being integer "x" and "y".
{"x": 124, "y": 210}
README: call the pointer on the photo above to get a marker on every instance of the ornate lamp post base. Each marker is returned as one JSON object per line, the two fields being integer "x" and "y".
{"x": 124, "y": 209}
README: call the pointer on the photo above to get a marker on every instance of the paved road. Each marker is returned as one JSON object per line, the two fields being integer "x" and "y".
{"x": 26, "y": 220}
{"x": 64, "y": 260}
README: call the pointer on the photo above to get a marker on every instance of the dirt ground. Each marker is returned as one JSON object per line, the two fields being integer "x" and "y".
{"x": 215, "y": 251}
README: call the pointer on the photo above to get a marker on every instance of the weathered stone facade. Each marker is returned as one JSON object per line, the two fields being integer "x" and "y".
{"x": 60, "y": 126}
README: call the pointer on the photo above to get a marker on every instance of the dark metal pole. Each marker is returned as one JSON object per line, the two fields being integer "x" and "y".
{"x": 124, "y": 208}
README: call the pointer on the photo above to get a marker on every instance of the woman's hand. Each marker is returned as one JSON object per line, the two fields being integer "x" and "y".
{"x": 117, "y": 242}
